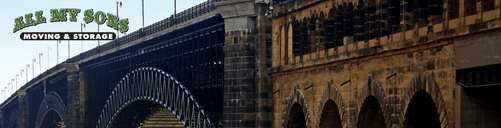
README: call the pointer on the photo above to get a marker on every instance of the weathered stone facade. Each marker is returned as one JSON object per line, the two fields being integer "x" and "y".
{"x": 380, "y": 63}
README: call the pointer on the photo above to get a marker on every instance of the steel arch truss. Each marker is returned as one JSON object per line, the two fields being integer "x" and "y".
{"x": 153, "y": 84}
{"x": 51, "y": 101}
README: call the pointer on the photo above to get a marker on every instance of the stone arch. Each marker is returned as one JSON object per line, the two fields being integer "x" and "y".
{"x": 373, "y": 88}
{"x": 155, "y": 85}
{"x": 51, "y": 101}
{"x": 13, "y": 117}
{"x": 424, "y": 81}
{"x": 296, "y": 96}
{"x": 331, "y": 92}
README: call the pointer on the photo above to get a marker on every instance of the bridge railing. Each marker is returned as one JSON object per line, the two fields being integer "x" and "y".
{"x": 168, "y": 22}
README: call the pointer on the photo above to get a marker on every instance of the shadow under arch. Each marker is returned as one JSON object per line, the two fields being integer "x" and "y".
{"x": 137, "y": 112}
{"x": 331, "y": 93}
{"x": 155, "y": 85}
{"x": 13, "y": 117}
{"x": 373, "y": 90}
{"x": 423, "y": 81}
{"x": 421, "y": 112}
{"x": 51, "y": 101}
{"x": 296, "y": 99}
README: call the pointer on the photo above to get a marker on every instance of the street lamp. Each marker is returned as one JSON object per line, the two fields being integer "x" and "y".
{"x": 12, "y": 84}
{"x": 48, "y": 49}
{"x": 27, "y": 66}
{"x": 81, "y": 30}
{"x": 22, "y": 76}
{"x": 118, "y": 3}
{"x": 40, "y": 61}
{"x": 57, "y": 43}
{"x": 33, "y": 66}
{"x": 17, "y": 75}
{"x": 5, "y": 93}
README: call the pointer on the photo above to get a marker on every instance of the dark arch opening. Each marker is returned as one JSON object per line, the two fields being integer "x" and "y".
{"x": 51, "y": 120}
{"x": 409, "y": 14}
{"x": 296, "y": 117}
{"x": 312, "y": 34}
{"x": 15, "y": 125}
{"x": 371, "y": 114}
{"x": 330, "y": 29}
{"x": 330, "y": 117}
{"x": 360, "y": 21}
{"x": 394, "y": 16}
{"x": 339, "y": 21}
{"x": 305, "y": 42}
{"x": 470, "y": 7}
{"x": 349, "y": 21}
{"x": 138, "y": 113}
{"x": 421, "y": 112}
{"x": 321, "y": 32}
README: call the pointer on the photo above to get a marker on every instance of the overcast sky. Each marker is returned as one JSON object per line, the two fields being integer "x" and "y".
{"x": 15, "y": 54}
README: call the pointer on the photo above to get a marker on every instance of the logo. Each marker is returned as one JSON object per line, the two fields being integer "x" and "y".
{"x": 65, "y": 14}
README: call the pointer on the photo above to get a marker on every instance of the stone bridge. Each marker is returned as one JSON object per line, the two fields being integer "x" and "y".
{"x": 282, "y": 63}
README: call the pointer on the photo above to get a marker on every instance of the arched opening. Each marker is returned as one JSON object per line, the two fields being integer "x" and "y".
{"x": 487, "y": 5}
{"x": 305, "y": 42}
{"x": 372, "y": 20}
{"x": 394, "y": 16}
{"x": 350, "y": 19}
{"x": 145, "y": 114}
{"x": 339, "y": 21}
{"x": 312, "y": 28}
{"x": 330, "y": 29}
{"x": 470, "y": 7}
{"x": 371, "y": 114}
{"x": 296, "y": 37}
{"x": 421, "y": 13}
{"x": 437, "y": 11}
{"x": 360, "y": 21}
{"x": 321, "y": 32}
{"x": 51, "y": 120}
{"x": 330, "y": 117}
{"x": 383, "y": 13}
{"x": 453, "y": 9}
{"x": 408, "y": 15}
{"x": 421, "y": 112}
{"x": 296, "y": 117}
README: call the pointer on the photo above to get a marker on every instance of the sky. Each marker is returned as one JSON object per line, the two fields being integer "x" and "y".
{"x": 15, "y": 53}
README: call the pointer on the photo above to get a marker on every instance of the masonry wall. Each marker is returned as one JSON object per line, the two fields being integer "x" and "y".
{"x": 419, "y": 54}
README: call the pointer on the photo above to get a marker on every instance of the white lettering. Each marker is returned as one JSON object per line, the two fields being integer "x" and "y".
{"x": 26, "y": 36}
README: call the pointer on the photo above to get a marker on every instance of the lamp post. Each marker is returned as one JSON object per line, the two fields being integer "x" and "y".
{"x": 57, "y": 43}
{"x": 17, "y": 75}
{"x": 118, "y": 3}
{"x": 12, "y": 84}
{"x": 22, "y": 76}
{"x": 48, "y": 49}
{"x": 81, "y": 30}
{"x": 33, "y": 66}
{"x": 27, "y": 66}
{"x": 40, "y": 61}
{"x": 5, "y": 93}
{"x": 1, "y": 96}
{"x": 68, "y": 49}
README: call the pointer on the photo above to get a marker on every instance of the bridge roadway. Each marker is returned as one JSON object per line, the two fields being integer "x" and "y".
{"x": 175, "y": 63}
